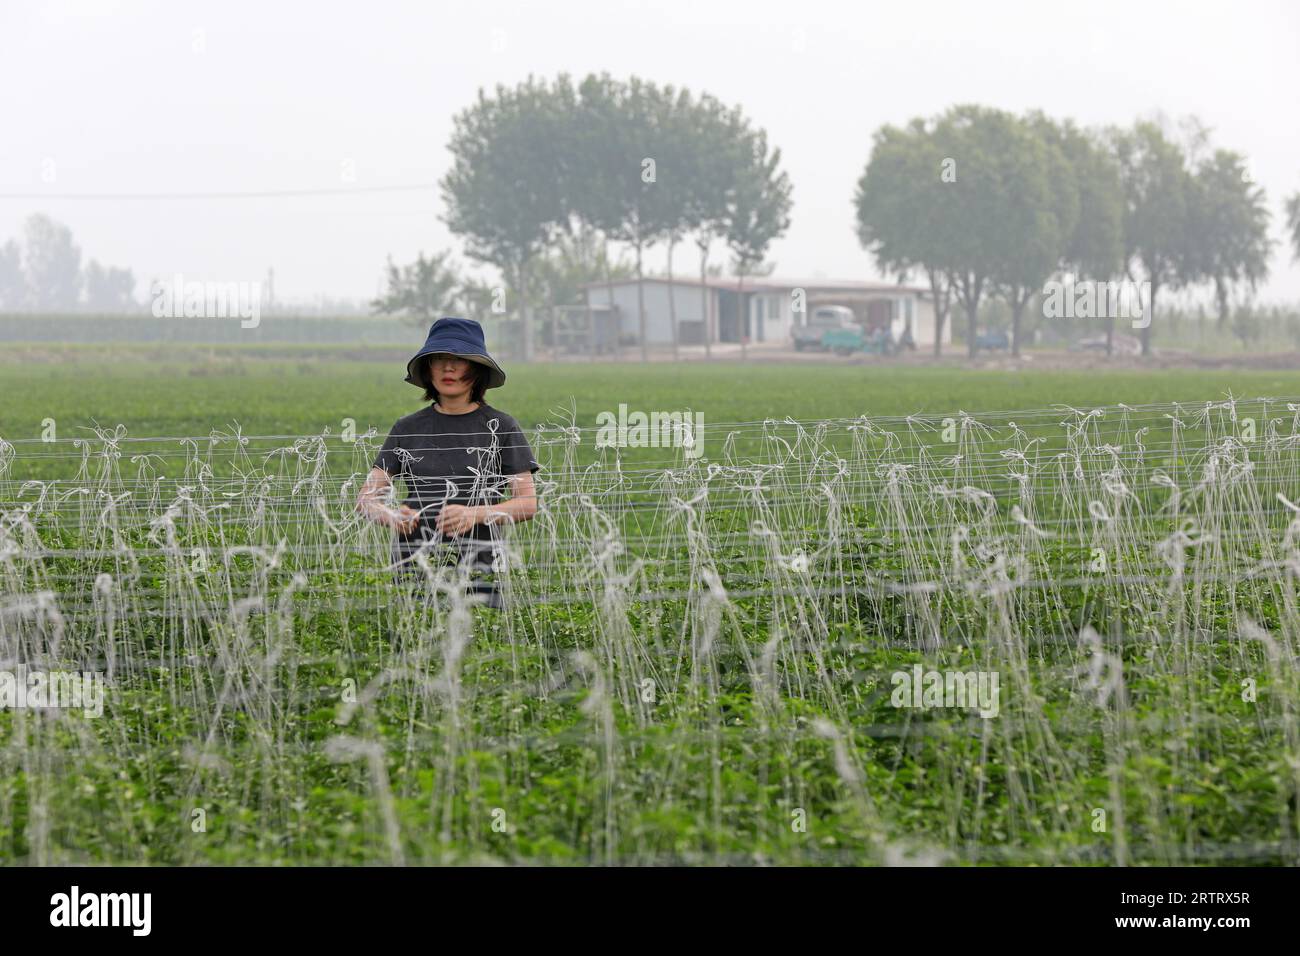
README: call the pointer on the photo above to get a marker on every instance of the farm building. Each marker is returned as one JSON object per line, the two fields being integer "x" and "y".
{"x": 764, "y": 308}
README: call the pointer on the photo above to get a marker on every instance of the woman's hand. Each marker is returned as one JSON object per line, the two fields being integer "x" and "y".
{"x": 458, "y": 519}
{"x": 372, "y": 502}
{"x": 404, "y": 519}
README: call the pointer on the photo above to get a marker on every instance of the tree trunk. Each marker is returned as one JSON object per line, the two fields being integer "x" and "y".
{"x": 705, "y": 312}
{"x": 640, "y": 304}
{"x": 972, "y": 319}
{"x": 609, "y": 298}
{"x": 591, "y": 330}
{"x": 940, "y": 309}
{"x": 672, "y": 298}
{"x": 1221, "y": 296}
{"x": 525, "y": 316}
{"x": 1018, "y": 303}
{"x": 971, "y": 287}
{"x": 1150, "y": 320}
{"x": 742, "y": 316}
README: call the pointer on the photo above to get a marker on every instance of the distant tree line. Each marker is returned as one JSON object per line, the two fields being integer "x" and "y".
{"x": 434, "y": 286}
{"x": 984, "y": 203}
{"x": 977, "y": 202}
{"x": 44, "y": 274}
{"x": 1293, "y": 222}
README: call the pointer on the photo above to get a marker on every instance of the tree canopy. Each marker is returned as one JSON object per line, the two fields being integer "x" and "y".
{"x": 640, "y": 163}
{"x": 982, "y": 201}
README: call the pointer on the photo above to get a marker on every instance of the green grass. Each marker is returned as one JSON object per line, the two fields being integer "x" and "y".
{"x": 191, "y": 394}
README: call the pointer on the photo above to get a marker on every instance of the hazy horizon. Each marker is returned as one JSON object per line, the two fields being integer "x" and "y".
{"x": 144, "y": 98}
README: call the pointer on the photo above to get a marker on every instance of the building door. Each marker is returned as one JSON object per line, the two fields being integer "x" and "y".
{"x": 728, "y": 321}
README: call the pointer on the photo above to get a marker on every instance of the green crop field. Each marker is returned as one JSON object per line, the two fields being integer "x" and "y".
{"x": 746, "y": 656}
{"x": 190, "y": 393}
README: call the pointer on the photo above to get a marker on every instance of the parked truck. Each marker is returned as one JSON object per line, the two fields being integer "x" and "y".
{"x": 848, "y": 341}
{"x": 824, "y": 318}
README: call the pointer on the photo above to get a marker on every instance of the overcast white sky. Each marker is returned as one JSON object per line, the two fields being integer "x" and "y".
{"x": 114, "y": 98}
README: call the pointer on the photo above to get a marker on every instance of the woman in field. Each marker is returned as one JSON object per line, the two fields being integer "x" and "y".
{"x": 458, "y": 456}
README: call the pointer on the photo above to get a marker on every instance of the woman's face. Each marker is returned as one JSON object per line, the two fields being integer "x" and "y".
{"x": 450, "y": 376}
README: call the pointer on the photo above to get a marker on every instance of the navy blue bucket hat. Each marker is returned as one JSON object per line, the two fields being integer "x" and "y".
{"x": 460, "y": 337}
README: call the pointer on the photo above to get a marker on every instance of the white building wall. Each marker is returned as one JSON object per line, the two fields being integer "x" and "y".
{"x": 925, "y": 324}
{"x": 687, "y": 298}
{"x": 776, "y": 311}
{"x": 900, "y": 307}
{"x": 776, "y": 317}
{"x": 692, "y": 301}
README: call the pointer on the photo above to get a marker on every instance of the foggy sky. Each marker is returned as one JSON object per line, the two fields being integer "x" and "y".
{"x": 281, "y": 96}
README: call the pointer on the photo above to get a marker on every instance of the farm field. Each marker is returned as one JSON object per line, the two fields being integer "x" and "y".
{"x": 189, "y": 392}
{"x": 699, "y": 659}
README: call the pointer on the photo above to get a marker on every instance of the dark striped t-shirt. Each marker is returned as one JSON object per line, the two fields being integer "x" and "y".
{"x": 455, "y": 459}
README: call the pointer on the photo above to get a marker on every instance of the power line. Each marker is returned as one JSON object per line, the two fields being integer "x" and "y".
{"x": 255, "y": 194}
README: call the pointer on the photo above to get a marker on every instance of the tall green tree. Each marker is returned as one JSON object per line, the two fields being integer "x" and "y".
{"x": 987, "y": 216}
{"x": 714, "y": 130}
{"x": 901, "y": 209}
{"x": 13, "y": 284}
{"x": 646, "y": 206}
{"x": 52, "y": 265}
{"x": 481, "y": 300}
{"x": 425, "y": 289}
{"x": 645, "y": 131}
{"x": 671, "y": 206}
{"x": 757, "y": 212}
{"x": 109, "y": 289}
{"x": 1293, "y": 222}
{"x": 573, "y": 261}
{"x": 1158, "y": 192}
{"x": 1229, "y": 227}
{"x": 1095, "y": 250}
{"x": 1042, "y": 207}
{"x": 505, "y": 193}
{"x": 561, "y": 275}
{"x": 633, "y": 162}
{"x": 599, "y": 175}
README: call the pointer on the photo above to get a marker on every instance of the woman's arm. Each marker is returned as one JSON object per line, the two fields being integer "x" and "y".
{"x": 372, "y": 502}
{"x": 520, "y": 506}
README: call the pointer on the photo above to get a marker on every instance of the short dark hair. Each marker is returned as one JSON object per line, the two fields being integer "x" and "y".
{"x": 477, "y": 369}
